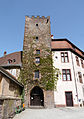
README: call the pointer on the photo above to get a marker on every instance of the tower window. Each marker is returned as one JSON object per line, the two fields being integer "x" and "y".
{"x": 37, "y": 60}
{"x": 36, "y": 24}
{"x": 37, "y": 38}
{"x": 37, "y": 51}
{"x": 37, "y": 74}
{"x": 47, "y": 20}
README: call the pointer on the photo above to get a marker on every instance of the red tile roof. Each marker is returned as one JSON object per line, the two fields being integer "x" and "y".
{"x": 13, "y": 59}
{"x": 60, "y": 44}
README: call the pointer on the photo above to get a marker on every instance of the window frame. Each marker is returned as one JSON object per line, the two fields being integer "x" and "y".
{"x": 66, "y": 74}
{"x": 82, "y": 63}
{"x": 36, "y": 76}
{"x": 77, "y": 61}
{"x": 38, "y": 51}
{"x": 80, "y": 78}
{"x": 37, "y": 60}
{"x": 64, "y": 57}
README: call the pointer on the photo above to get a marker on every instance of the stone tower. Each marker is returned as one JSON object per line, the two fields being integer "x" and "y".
{"x": 37, "y": 43}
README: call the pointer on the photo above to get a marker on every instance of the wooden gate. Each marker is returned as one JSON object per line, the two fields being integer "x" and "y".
{"x": 36, "y": 97}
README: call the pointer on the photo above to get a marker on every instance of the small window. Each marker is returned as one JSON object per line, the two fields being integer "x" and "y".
{"x": 36, "y": 38}
{"x": 36, "y": 24}
{"x": 56, "y": 57}
{"x": 66, "y": 75}
{"x": 37, "y": 51}
{"x": 82, "y": 63}
{"x": 9, "y": 61}
{"x": 77, "y": 61}
{"x": 47, "y": 20}
{"x": 37, "y": 60}
{"x": 80, "y": 77}
{"x": 37, "y": 74}
{"x": 14, "y": 60}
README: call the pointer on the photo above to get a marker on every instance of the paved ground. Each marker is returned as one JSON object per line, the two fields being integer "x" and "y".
{"x": 56, "y": 113}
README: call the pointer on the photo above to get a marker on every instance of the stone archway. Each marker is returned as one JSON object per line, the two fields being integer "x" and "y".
{"x": 36, "y": 97}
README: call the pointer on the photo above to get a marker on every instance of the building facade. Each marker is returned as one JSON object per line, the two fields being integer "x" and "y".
{"x": 68, "y": 58}
{"x": 10, "y": 94}
{"x": 70, "y": 61}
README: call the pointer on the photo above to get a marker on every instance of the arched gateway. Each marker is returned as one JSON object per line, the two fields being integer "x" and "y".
{"x": 36, "y": 97}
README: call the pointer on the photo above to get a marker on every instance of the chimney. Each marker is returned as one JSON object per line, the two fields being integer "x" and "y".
{"x": 5, "y": 53}
{"x": 51, "y": 36}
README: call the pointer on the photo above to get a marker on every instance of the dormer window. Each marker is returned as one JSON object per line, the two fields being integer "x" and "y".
{"x": 9, "y": 61}
{"x": 14, "y": 60}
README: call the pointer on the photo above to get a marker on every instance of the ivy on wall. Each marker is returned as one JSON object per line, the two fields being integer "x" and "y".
{"x": 48, "y": 73}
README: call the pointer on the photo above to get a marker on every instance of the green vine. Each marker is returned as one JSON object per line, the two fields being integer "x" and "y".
{"x": 48, "y": 73}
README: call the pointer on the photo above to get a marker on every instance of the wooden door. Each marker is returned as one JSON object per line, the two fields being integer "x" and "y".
{"x": 36, "y": 101}
{"x": 36, "y": 97}
{"x": 69, "y": 99}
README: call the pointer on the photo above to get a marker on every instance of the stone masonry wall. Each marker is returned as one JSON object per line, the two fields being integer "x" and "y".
{"x": 49, "y": 99}
{"x": 37, "y": 27}
{"x": 9, "y": 107}
{"x": 37, "y": 31}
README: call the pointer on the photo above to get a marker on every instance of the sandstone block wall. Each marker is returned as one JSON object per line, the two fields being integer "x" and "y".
{"x": 8, "y": 107}
{"x": 37, "y": 31}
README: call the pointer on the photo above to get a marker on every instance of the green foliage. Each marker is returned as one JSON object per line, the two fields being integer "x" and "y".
{"x": 48, "y": 73}
{"x": 22, "y": 96}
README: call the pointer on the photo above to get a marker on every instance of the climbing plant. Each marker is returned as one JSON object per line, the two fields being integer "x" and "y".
{"x": 48, "y": 73}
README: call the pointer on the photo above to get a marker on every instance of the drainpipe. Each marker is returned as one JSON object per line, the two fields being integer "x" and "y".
{"x": 74, "y": 76}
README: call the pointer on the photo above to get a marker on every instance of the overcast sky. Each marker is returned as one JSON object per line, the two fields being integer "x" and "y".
{"x": 67, "y": 21}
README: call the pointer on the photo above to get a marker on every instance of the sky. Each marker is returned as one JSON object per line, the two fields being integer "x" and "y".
{"x": 67, "y": 21}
